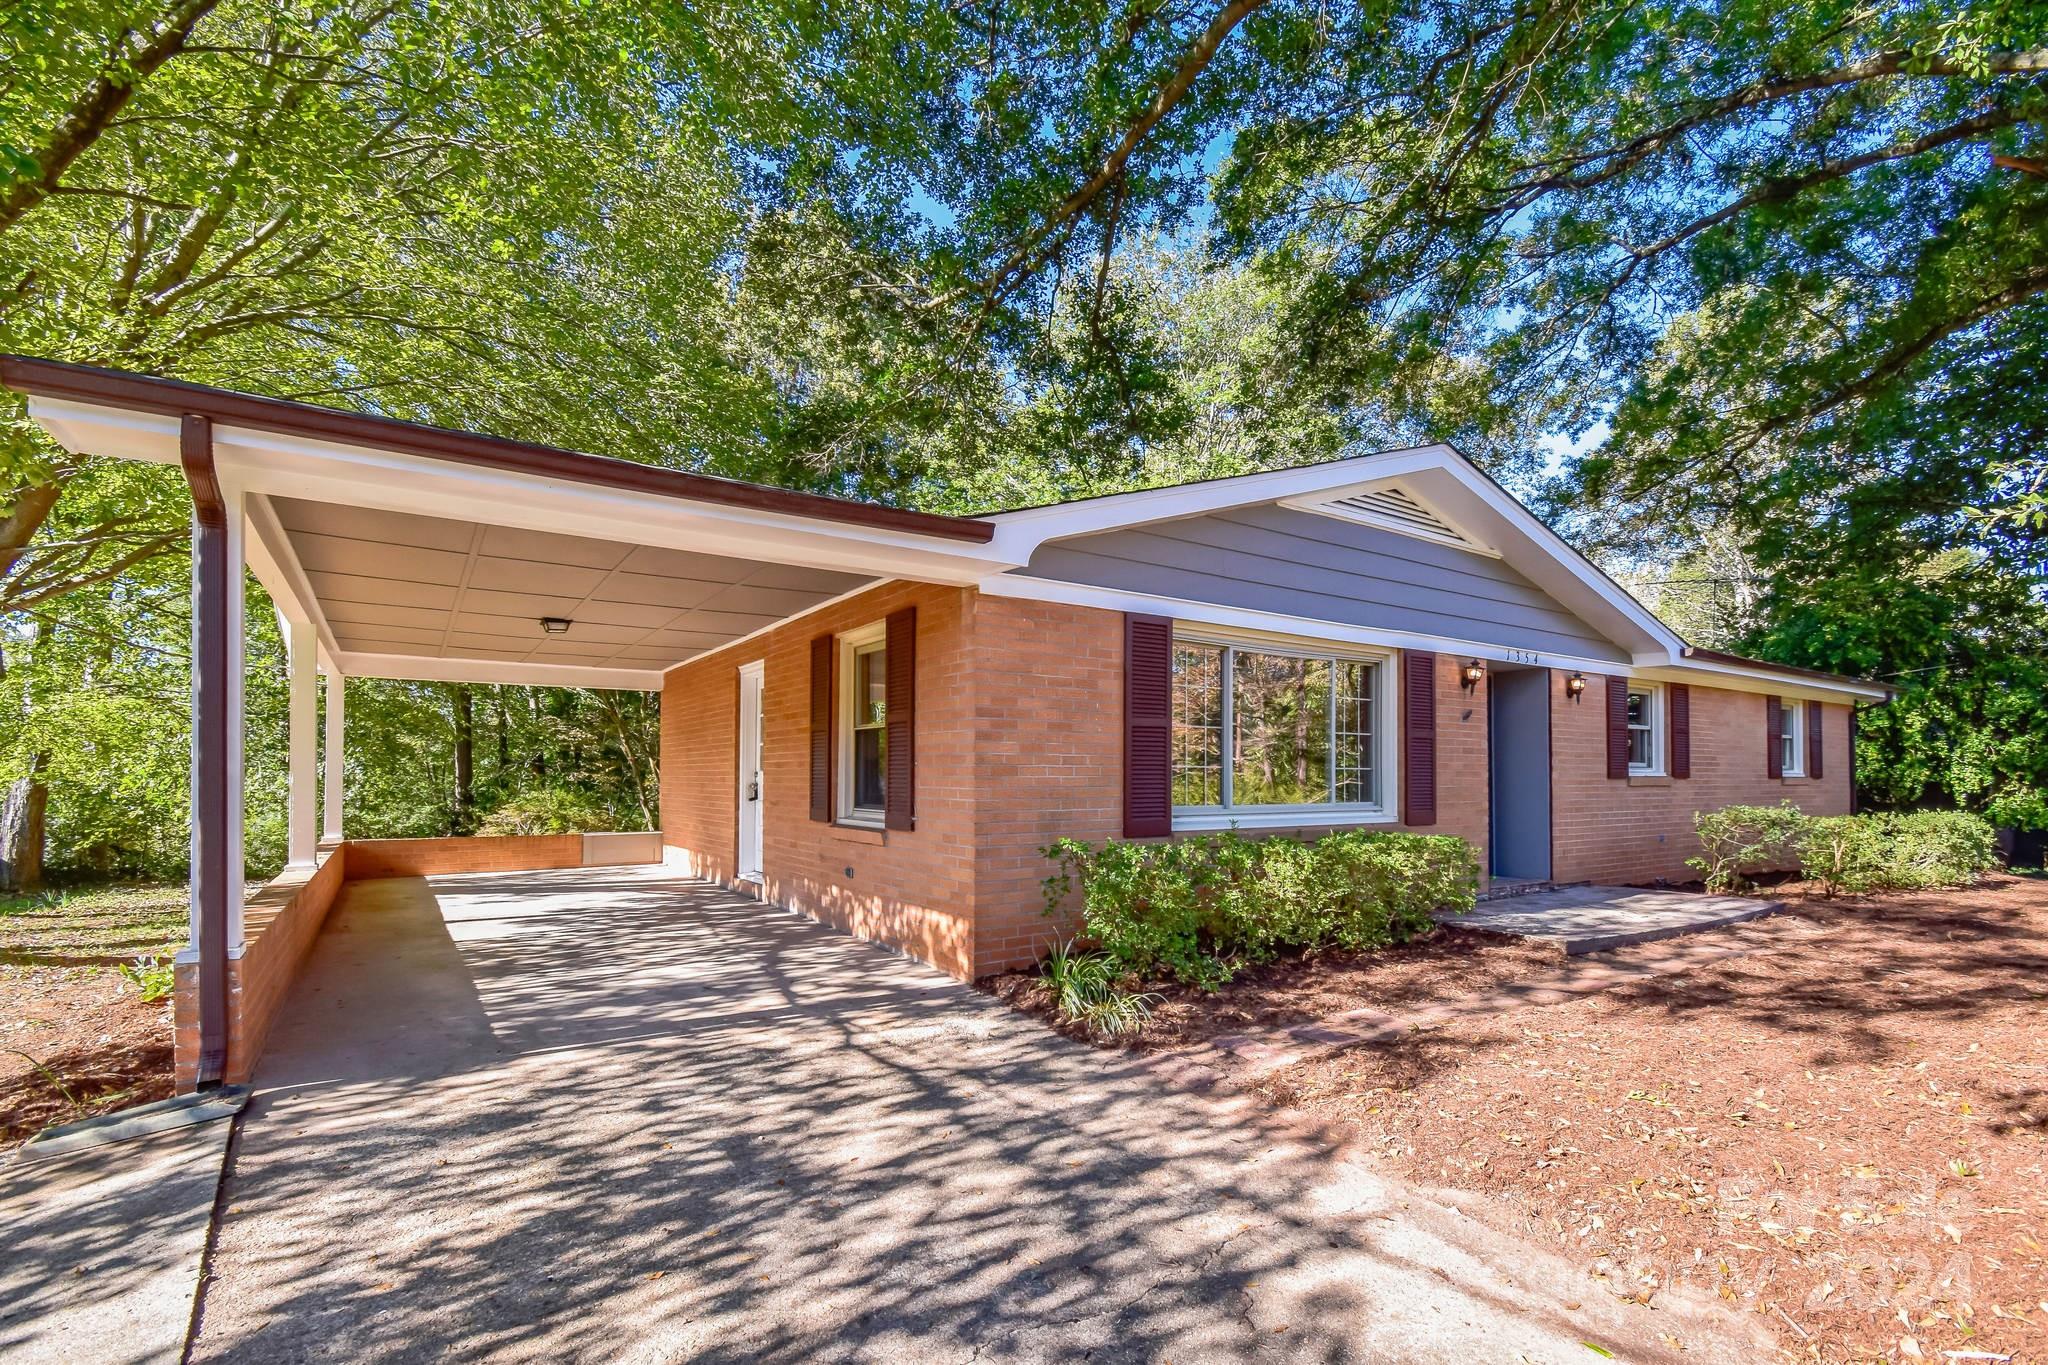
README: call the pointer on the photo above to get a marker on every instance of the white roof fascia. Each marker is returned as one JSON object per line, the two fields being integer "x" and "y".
{"x": 1736, "y": 678}
{"x": 1019, "y": 533}
{"x": 361, "y": 476}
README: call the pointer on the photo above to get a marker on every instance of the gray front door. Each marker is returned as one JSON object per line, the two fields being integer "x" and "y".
{"x": 1518, "y": 717}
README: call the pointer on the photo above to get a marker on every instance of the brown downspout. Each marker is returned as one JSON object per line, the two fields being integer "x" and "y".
{"x": 211, "y": 863}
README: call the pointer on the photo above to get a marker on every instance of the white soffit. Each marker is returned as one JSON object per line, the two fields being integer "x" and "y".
{"x": 395, "y": 594}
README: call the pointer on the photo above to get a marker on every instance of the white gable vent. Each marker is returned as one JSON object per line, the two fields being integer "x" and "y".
{"x": 1393, "y": 508}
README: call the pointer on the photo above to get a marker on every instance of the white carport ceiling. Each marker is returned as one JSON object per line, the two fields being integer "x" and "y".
{"x": 398, "y": 584}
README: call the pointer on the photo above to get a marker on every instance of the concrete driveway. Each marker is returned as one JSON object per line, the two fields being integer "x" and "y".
{"x": 612, "y": 1115}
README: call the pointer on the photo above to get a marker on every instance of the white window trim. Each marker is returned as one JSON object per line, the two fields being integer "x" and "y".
{"x": 1386, "y": 748}
{"x": 1792, "y": 728}
{"x": 1654, "y": 692}
{"x": 851, "y": 645}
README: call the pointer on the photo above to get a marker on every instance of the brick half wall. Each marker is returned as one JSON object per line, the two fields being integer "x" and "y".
{"x": 280, "y": 923}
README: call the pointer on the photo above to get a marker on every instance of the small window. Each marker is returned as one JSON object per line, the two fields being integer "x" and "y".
{"x": 1645, "y": 735}
{"x": 864, "y": 735}
{"x": 1791, "y": 737}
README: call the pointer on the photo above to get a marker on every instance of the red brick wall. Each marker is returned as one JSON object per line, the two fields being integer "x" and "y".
{"x": 1020, "y": 742}
{"x": 369, "y": 858}
{"x": 1640, "y": 829}
{"x": 1049, "y": 713}
{"x": 910, "y": 888}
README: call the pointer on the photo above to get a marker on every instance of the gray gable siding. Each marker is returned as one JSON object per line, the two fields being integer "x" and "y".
{"x": 1274, "y": 559}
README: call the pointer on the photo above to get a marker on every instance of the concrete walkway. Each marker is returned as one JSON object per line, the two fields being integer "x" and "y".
{"x": 100, "y": 1245}
{"x": 1597, "y": 919}
{"x": 610, "y": 1116}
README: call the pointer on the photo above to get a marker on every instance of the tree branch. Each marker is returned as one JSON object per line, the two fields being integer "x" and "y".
{"x": 1192, "y": 64}
{"x": 134, "y": 58}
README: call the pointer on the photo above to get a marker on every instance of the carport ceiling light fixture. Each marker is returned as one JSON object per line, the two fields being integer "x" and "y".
{"x": 556, "y": 625}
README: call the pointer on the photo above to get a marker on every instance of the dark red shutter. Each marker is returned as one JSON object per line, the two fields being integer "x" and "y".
{"x": 1418, "y": 737}
{"x": 821, "y": 727}
{"x": 1617, "y": 727}
{"x": 1678, "y": 697}
{"x": 1813, "y": 715}
{"x": 1774, "y": 735}
{"x": 1148, "y": 727}
{"x": 899, "y": 792}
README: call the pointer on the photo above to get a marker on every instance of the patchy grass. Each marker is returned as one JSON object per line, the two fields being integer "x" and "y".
{"x": 76, "y": 1036}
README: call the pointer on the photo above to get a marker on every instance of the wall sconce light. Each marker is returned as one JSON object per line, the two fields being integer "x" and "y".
{"x": 556, "y": 625}
{"x": 1575, "y": 686}
{"x": 1473, "y": 674}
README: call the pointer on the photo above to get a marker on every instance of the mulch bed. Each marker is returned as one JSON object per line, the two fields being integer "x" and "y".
{"x": 91, "y": 1035}
{"x": 1445, "y": 965}
{"x": 76, "y": 1039}
{"x": 1845, "y": 1132}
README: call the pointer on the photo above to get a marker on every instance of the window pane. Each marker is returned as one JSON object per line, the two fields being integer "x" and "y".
{"x": 1355, "y": 777}
{"x": 1197, "y": 725}
{"x": 1639, "y": 748}
{"x": 871, "y": 687}
{"x": 1281, "y": 716}
{"x": 870, "y": 762}
{"x": 1638, "y": 708}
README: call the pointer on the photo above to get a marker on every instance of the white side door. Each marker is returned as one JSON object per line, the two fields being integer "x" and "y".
{"x": 750, "y": 771}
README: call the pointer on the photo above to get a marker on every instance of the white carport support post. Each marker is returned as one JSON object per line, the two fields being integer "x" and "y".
{"x": 330, "y": 805}
{"x": 301, "y": 840}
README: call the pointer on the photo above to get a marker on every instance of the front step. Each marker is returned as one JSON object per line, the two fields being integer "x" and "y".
{"x": 1505, "y": 888}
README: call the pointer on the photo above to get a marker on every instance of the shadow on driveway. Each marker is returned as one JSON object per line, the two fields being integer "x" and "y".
{"x": 615, "y": 1115}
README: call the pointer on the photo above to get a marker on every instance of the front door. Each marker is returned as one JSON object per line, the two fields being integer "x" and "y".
{"x": 750, "y": 772}
{"x": 1518, "y": 733}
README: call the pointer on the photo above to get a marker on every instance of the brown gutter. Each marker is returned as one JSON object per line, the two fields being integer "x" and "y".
{"x": 213, "y": 862}
{"x": 176, "y": 398}
{"x": 1716, "y": 656}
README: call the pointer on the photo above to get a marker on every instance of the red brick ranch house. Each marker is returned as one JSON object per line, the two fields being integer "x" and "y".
{"x": 880, "y": 717}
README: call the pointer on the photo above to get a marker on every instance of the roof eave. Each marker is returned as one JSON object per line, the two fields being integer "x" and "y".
{"x": 170, "y": 397}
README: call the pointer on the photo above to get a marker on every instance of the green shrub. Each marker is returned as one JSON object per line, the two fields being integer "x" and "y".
{"x": 1195, "y": 908}
{"x": 1738, "y": 841}
{"x": 547, "y": 810}
{"x": 1844, "y": 853}
{"x": 1940, "y": 847}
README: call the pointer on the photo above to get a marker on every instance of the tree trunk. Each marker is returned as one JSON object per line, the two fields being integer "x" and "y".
{"x": 21, "y": 835}
{"x": 465, "y": 759}
{"x": 504, "y": 734}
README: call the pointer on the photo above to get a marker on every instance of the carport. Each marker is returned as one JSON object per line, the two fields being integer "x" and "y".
{"x": 396, "y": 550}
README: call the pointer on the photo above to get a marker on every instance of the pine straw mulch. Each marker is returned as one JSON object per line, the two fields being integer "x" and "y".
{"x": 1846, "y": 1133}
{"x": 1448, "y": 964}
{"x": 76, "y": 1040}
